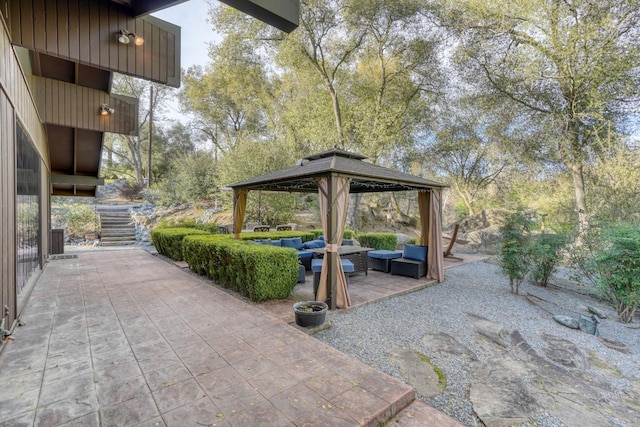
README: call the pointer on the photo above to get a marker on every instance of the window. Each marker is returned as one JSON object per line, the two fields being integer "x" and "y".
{"x": 28, "y": 210}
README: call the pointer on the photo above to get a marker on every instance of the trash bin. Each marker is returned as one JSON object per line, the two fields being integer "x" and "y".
{"x": 57, "y": 241}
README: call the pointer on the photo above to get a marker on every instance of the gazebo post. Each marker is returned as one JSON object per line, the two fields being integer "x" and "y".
{"x": 332, "y": 226}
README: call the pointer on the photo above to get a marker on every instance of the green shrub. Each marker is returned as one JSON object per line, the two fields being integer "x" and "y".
{"x": 131, "y": 190}
{"x": 348, "y": 234}
{"x": 617, "y": 261}
{"x": 168, "y": 241}
{"x": 317, "y": 232}
{"x": 544, "y": 253}
{"x": 275, "y": 235}
{"x": 388, "y": 241}
{"x": 260, "y": 272}
{"x": 275, "y": 208}
{"x": 189, "y": 223}
{"x": 78, "y": 218}
{"x": 514, "y": 257}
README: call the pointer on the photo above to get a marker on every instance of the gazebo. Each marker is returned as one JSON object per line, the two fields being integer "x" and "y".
{"x": 335, "y": 174}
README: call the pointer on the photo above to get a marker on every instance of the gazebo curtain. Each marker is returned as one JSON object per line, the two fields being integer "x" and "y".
{"x": 239, "y": 208}
{"x": 333, "y": 212}
{"x": 431, "y": 235}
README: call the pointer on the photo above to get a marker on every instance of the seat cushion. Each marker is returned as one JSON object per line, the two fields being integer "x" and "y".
{"x": 384, "y": 254}
{"x": 415, "y": 252}
{"x": 292, "y": 242}
{"x": 347, "y": 266}
{"x": 314, "y": 244}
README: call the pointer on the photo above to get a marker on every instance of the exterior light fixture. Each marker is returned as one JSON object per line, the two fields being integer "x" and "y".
{"x": 105, "y": 110}
{"x": 125, "y": 37}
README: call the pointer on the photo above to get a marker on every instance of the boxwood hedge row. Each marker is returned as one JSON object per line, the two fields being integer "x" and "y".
{"x": 259, "y": 272}
{"x": 275, "y": 235}
{"x": 388, "y": 241}
{"x": 348, "y": 234}
{"x": 168, "y": 241}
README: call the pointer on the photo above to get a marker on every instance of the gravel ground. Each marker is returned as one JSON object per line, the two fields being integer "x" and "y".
{"x": 371, "y": 332}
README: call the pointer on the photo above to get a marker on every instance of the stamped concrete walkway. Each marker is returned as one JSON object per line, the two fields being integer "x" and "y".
{"x": 122, "y": 338}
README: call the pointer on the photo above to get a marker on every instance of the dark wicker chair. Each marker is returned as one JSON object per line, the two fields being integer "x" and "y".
{"x": 261, "y": 229}
{"x": 413, "y": 262}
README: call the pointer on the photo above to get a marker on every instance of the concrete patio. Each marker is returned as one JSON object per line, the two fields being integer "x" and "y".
{"x": 125, "y": 338}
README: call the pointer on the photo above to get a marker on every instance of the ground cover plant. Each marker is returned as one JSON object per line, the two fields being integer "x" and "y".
{"x": 616, "y": 263}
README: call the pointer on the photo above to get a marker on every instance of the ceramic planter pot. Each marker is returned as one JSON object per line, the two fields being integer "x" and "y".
{"x": 310, "y": 313}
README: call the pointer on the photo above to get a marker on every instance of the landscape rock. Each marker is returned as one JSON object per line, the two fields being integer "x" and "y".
{"x": 402, "y": 239}
{"x": 595, "y": 310}
{"x": 442, "y": 342}
{"x": 588, "y": 325}
{"x": 489, "y": 329}
{"x": 567, "y": 321}
{"x": 500, "y": 397}
{"x": 418, "y": 372}
{"x": 564, "y": 352}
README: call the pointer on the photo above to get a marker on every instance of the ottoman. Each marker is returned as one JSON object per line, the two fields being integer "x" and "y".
{"x": 380, "y": 260}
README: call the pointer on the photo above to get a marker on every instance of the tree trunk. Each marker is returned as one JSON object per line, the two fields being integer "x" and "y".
{"x": 337, "y": 114}
{"x": 577, "y": 173}
{"x": 352, "y": 213}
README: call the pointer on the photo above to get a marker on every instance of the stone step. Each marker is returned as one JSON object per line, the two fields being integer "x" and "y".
{"x": 118, "y": 243}
{"x": 116, "y": 238}
{"x": 114, "y": 213}
{"x": 120, "y": 234}
{"x": 118, "y": 227}
{"x": 115, "y": 217}
{"x": 116, "y": 223}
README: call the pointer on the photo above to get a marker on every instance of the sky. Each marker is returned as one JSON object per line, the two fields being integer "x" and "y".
{"x": 196, "y": 32}
{"x": 191, "y": 16}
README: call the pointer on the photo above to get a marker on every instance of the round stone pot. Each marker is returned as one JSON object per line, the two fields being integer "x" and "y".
{"x": 310, "y": 313}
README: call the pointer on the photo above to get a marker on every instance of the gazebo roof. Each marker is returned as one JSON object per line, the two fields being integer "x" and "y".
{"x": 365, "y": 177}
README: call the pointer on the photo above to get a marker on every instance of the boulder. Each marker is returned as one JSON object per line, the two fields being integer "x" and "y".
{"x": 492, "y": 330}
{"x": 595, "y": 310}
{"x": 567, "y": 321}
{"x": 418, "y": 372}
{"x": 588, "y": 325}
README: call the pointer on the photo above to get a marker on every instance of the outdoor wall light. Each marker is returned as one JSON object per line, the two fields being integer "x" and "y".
{"x": 125, "y": 37}
{"x": 105, "y": 110}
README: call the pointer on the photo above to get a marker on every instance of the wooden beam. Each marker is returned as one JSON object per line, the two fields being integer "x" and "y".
{"x": 58, "y": 178}
{"x": 282, "y": 14}
{"x": 145, "y": 7}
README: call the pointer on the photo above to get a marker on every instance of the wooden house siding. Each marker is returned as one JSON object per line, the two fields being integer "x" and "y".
{"x": 18, "y": 94}
{"x": 66, "y": 104}
{"x": 7, "y": 210}
{"x": 16, "y": 105}
{"x": 86, "y": 31}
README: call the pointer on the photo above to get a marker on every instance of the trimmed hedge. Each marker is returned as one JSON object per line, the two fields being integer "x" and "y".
{"x": 388, "y": 241}
{"x": 275, "y": 235}
{"x": 260, "y": 272}
{"x": 168, "y": 241}
{"x": 348, "y": 234}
